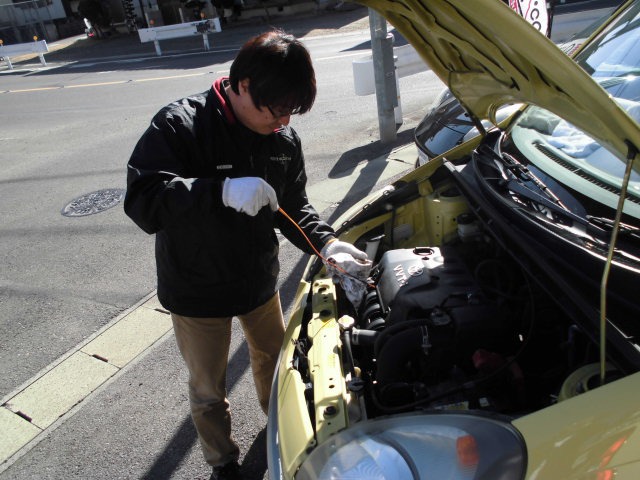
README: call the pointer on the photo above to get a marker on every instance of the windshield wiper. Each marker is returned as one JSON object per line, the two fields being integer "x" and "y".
{"x": 562, "y": 216}
{"x": 607, "y": 224}
{"x": 518, "y": 188}
{"x": 634, "y": 72}
{"x": 518, "y": 168}
{"x": 521, "y": 176}
{"x": 542, "y": 195}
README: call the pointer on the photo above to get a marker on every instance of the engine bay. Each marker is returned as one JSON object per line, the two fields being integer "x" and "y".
{"x": 455, "y": 326}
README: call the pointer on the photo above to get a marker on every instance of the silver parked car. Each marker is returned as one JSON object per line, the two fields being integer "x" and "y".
{"x": 446, "y": 124}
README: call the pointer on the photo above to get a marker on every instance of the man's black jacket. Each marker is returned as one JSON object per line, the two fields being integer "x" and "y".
{"x": 213, "y": 261}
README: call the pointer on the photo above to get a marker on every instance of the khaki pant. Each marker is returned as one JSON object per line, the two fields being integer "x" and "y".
{"x": 204, "y": 345}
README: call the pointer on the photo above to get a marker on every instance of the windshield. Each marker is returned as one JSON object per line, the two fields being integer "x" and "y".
{"x": 569, "y": 155}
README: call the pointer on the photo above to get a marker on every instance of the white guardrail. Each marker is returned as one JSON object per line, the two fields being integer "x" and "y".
{"x": 7, "y": 51}
{"x": 166, "y": 32}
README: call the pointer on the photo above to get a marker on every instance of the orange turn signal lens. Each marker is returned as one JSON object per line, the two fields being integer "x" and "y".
{"x": 467, "y": 449}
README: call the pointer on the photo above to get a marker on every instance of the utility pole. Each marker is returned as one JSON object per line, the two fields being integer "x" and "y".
{"x": 143, "y": 14}
{"x": 384, "y": 75}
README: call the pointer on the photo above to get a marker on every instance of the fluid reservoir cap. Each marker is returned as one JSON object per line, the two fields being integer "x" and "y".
{"x": 584, "y": 379}
{"x": 468, "y": 226}
{"x": 465, "y": 219}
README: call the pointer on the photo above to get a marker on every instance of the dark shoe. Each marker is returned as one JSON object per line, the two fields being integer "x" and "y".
{"x": 228, "y": 471}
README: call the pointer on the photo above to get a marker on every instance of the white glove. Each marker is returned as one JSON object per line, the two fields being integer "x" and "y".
{"x": 336, "y": 246}
{"x": 349, "y": 271}
{"x": 248, "y": 195}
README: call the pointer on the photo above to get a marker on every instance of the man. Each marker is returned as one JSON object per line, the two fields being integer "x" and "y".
{"x": 208, "y": 178}
{"x": 96, "y": 15}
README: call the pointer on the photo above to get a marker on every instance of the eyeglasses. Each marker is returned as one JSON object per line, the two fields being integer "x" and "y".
{"x": 283, "y": 112}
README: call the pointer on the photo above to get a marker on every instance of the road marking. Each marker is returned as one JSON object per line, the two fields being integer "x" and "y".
{"x": 59, "y": 390}
{"x": 168, "y": 77}
{"x": 173, "y": 76}
{"x": 363, "y": 53}
{"x": 116, "y": 82}
{"x": 140, "y": 80}
{"x": 31, "y": 89}
{"x": 101, "y": 84}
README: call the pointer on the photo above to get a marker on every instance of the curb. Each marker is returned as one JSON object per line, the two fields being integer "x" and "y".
{"x": 25, "y": 418}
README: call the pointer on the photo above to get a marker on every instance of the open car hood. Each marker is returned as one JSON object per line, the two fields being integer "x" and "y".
{"x": 489, "y": 56}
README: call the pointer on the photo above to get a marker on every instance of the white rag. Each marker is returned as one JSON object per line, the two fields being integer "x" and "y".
{"x": 352, "y": 275}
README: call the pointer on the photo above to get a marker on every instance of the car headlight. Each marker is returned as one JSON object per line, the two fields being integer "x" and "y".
{"x": 444, "y": 445}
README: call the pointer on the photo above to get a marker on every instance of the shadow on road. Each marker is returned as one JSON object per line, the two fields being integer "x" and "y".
{"x": 185, "y": 437}
{"x": 363, "y": 184}
{"x": 174, "y": 453}
{"x": 254, "y": 465}
{"x": 398, "y": 41}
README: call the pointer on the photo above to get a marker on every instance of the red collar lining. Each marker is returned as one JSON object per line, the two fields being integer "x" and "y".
{"x": 218, "y": 88}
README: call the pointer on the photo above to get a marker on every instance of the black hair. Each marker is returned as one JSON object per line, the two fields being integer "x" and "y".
{"x": 279, "y": 70}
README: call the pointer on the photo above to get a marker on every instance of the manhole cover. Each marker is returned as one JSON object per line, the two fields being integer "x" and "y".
{"x": 94, "y": 202}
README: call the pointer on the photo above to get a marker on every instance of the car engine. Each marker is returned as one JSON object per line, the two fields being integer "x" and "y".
{"x": 459, "y": 326}
{"x": 427, "y": 318}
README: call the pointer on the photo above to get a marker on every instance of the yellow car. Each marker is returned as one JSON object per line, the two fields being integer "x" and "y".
{"x": 496, "y": 336}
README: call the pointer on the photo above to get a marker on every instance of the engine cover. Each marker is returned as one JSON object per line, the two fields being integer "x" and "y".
{"x": 431, "y": 288}
{"x": 412, "y": 282}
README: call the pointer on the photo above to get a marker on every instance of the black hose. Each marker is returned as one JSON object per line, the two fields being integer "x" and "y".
{"x": 466, "y": 386}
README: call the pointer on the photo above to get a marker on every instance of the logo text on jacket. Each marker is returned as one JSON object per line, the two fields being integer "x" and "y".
{"x": 282, "y": 158}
